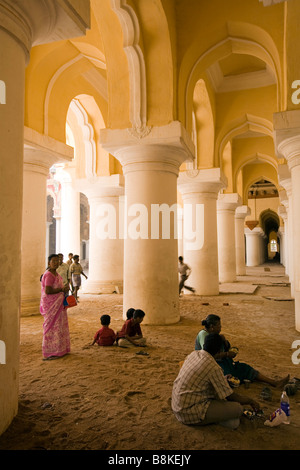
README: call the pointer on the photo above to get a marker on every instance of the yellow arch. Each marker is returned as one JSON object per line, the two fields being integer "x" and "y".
{"x": 243, "y": 38}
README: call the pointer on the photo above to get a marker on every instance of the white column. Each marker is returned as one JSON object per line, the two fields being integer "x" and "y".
{"x": 37, "y": 161}
{"x": 20, "y": 27}
{"x": 241, "y": 213}
{"x": 151, "y": 164}
{"x": 253, "y": 246}
{"x": 11, "y": 188}
{"x": 226, "y": 206}
{"x": 199, "y": 189}
{"x": 282, "y": 234}
{"x": 106, "y": 246}
{"x": 68, "y": 224}
{"x": 284, "y": 201}
{"x": 287, "y": 143}
{"x": 284, "y": 178}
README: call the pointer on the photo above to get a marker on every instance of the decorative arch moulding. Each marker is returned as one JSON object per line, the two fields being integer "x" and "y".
{"x": 136, "y": 64}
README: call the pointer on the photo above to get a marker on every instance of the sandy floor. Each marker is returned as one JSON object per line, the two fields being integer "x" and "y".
{"x": 114, "y": 399}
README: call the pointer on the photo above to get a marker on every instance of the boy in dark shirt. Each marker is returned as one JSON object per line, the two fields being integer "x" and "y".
{"x": 105, "y": 336}
{"x": 131, "y": 333}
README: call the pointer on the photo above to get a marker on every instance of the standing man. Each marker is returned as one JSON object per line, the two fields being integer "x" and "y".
{"x": 184, "y": 271}
{"x": 63, "y": 270}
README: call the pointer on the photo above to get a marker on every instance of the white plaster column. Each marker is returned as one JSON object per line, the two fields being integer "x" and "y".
{"x": 285, "y": 203}
{"x": 151, "y": 162}
{"x": 253, "y": 246}
{"x": 226, "y": 206}
{"x": 40, "y": 154}
{"x": 68, "y": 224}
{"x": 106, "y": 246}
{"x": 22, "y": 24}
{"x": 241, "y": 213}
{"x": 287, "y": 144}
{"x": 13, "y": 61}
{"x": 199, "y": 189}
{"x": 282, "y": 234}
{"x": 284, "y": 178}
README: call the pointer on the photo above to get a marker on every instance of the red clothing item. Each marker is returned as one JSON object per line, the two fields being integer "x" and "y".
{"x": 129, "y": 329}
{"x": 105, "y": 337}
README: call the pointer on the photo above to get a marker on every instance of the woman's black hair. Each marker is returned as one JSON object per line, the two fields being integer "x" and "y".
{"x": 211, "y": 320}
{"x": 129, "y": 313}
{"x": 138, "y": 314}
{"x": 54, "y": 255}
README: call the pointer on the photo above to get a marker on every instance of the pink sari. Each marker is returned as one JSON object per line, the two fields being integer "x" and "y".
{"x": 56, "y": 338}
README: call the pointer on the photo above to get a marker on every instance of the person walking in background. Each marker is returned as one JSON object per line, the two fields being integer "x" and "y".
{"x": 184, "y": 271}
{"x": 70, "y": 260}
{"x": 63, "y": 271}
{"x": 76, "y": 271}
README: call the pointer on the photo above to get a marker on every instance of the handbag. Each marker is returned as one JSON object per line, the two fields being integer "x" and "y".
{"x": 69, "y": 301}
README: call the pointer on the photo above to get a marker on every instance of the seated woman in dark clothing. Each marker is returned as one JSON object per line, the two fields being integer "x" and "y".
{"x": 240, "y": 370}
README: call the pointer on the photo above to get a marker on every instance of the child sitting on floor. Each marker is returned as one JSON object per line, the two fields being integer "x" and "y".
{"x": 105, "y": 336}
{"x": 129, "y": 313}
{"x": 131, "y": 333}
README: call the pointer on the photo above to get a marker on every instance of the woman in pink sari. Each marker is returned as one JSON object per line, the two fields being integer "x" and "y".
{"x": 56, "y": 338}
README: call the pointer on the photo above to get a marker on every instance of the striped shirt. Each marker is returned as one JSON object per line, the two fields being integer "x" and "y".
{"x": 199, "y": 381}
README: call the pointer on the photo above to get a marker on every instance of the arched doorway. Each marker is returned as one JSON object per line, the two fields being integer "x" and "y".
{"x": 270, "y": 223}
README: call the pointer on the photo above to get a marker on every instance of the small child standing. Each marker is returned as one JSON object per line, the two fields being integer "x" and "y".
{"x": 105, "y": 336}
{"x": 75, "y": 272}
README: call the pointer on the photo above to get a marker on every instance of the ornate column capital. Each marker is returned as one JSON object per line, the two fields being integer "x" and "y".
{"x": 34, "y": 22}
{"x": 207, "y": 182}
{"x": 257, "y": 232}
{"x": 282, "y": 212}
{"x": 163, "y": 148}
{"x": 287, "y": 136}
{"x": 41, "y": 152}
{"x": 228, "y": 202}
{"x": 102, "y": 186}
{"x": 242, "y": 212}
{"x": 284, "y": 178}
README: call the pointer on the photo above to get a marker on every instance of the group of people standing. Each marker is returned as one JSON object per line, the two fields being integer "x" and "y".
{"x": 71, "y": 272}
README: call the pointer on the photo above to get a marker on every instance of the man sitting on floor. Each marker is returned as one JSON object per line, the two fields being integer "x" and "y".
{"x": 201, "y": 393}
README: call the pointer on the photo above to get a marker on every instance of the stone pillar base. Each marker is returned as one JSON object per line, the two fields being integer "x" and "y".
{"x": 103, "y": 287}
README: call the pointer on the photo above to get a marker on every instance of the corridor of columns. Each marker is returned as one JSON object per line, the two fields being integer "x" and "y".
{"x": 136, "y": 134}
